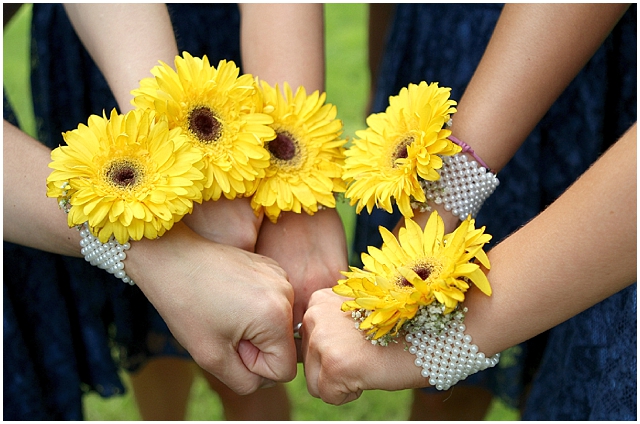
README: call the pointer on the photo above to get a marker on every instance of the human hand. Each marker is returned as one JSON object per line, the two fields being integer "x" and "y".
{"x": 231, "y": 309}
{"x": 230, "y": 222}
{"x": 312, "y": 249}
{"x": 340, "y": 363}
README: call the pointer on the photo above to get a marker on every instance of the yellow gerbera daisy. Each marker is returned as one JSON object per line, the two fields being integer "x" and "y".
{"x": 400, "y": 146}
{"x": 306, "y": 155}
{"x": 127, "y": 175}
{"x": 216, "y": 109}
{"x": 418, "y": 269}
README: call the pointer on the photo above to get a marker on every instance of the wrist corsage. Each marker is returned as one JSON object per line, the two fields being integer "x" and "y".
{"x": 283, "y": 151}
{"x": 198, "y": 133}
{"x": 306, "y": 156}
{"x": 408, "y": 156}
{"x": 413, "y": 287}
{"x": 217, "y": 109}
{"x": 123, "y": 178}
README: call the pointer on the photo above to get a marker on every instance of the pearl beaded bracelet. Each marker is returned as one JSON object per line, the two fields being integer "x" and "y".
{"x": 463, "y": 186}
{"x": 107, "y": 256}
{"x": 447, "y": 356}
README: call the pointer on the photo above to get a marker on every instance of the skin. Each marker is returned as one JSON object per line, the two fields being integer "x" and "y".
{"x": 535, "y": 52}
{"x": 527, "y": 298}
{"x": 245, "y": 353}
{"x": 300, "y": 61}
{"x": 312, "y": 249}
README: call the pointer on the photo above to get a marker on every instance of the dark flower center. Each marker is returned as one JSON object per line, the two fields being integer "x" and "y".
{"x": 282, "y": 147}
{"x": 123, "y": 174}
{"x": 401, "y": 150}
{"x": 423, "y": 272}
{"x": 204, "y": 124}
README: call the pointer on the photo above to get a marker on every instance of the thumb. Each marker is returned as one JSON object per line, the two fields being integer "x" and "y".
{"x": 278, "y": 365}
{"x": 237, "y": 376}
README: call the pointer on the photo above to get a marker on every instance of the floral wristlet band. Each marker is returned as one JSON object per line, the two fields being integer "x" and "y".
{"x": 279, "y": 147}
{"x": 407, "y": 155}
{"x": 107, "y": 256}
{"x": 121, "y": 178}
{"x": 414, "y": 287}
{"x": 198, "y": 133}
{"x": 463, "y": 187}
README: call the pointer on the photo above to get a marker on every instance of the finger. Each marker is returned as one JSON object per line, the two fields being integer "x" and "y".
{"x": 268, "y": 348}
{"x": 269, "y": 366}
{"x": 277, "y": 364}
{"x": 333, "y": 396}
{"x": 232, "y": 372}
{"x": 310, "y": 356}
{"x": 249, "y": 354}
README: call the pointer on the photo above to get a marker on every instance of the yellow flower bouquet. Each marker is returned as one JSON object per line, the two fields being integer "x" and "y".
{"x": 126, "y": 176}
{"x": 306, "y": 156}
{"x": 401, "y": 147}
{"x": 415, "y": 281}
{"x": 217, "y": 108}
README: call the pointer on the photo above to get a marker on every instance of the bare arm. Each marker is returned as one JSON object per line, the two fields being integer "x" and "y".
{"x": 535, "y": 52}
{"x": 29, "y": 217}
{"x": 284, "y": 42}
{"x": 214, "y": 298}
{"x": 579, "y": 251}
{"x": 125, "y": 41}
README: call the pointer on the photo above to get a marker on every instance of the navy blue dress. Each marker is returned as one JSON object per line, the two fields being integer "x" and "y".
{"x": 444, "y": 43}
{"x": 69, "y": 326}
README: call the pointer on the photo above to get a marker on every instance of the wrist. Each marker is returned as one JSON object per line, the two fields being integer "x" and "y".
{"x": 171, "y": 247}
{"x": 463, "y": 184}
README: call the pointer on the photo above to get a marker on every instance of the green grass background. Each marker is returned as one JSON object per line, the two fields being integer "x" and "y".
{"x": 347, "y": 86}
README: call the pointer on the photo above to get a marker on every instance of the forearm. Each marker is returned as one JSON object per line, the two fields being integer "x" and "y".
{"x": 30, "y": 218}
{"x": 125, "y": 41}
{"x": 576, "y": 253}
{"x": 581, "y": 250}
{"x": 284, "y": 43}
{"x": 534, "y": 53}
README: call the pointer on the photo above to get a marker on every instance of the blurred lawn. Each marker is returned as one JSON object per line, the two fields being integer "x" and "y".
{"x": 347, "y": 84}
